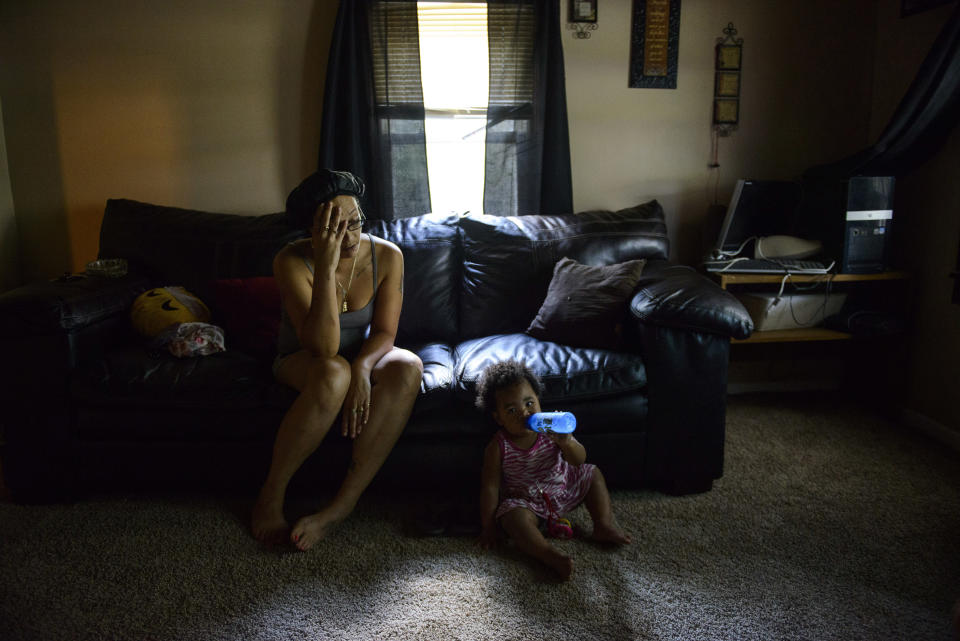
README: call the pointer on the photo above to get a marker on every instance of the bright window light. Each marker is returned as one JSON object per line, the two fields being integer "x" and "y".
{"x": 453, "y": 70}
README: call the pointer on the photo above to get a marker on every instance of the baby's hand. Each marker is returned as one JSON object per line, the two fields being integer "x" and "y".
{"x": 559, "y": 439}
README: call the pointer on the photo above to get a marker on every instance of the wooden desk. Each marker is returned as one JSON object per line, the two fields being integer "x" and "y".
{"x": 727, "y": 281}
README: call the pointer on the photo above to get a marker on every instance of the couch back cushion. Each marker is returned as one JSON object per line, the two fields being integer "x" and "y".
{"x": 508, "y": 261}
{"x": 432, "y": 264}
{"x": 190, "y": 248}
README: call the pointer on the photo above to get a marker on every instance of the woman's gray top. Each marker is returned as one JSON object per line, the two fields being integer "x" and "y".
{"x": 354, "y": 326}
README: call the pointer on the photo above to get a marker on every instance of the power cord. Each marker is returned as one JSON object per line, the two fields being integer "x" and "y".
{"x": 821, "y": 310}
{"x": 721, "y": 255}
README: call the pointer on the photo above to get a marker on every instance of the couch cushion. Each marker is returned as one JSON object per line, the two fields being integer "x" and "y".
{"x": 190, "y": 248}
{"x": 586, "y": 304}
{"x": 248, "y": 310}
{"x": 508, "y": 261}
{"x": 568, "y": 374}
{"x": 432, "y": 265}
{"x": 436, "y": 386}
{"x": 156, "y": 379}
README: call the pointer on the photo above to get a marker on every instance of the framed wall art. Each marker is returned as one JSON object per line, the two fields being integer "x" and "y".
{"x": 583, "y": 17}
{"x": 654, "y": 44}
{"x": 583, "y": 11}
{"x": 726, "y": 85}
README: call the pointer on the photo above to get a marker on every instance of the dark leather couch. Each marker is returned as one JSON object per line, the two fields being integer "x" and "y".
{"x": 89, "y": 406}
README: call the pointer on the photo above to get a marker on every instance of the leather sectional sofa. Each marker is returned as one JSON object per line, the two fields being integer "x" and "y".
{"x": 90, "y": 405}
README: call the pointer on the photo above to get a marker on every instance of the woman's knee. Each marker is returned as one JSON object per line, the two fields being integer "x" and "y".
{"x": 327, "y": 377}
{"x": 403, "y": 371}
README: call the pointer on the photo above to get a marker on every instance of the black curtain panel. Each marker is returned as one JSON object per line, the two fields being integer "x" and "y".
{"x": 920, "y": 125}
{"x": 373, "y": 112}
{"x": 527, "y": 167}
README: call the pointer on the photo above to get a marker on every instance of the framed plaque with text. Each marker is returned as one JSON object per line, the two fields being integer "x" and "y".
{"x": 654, "y": 43}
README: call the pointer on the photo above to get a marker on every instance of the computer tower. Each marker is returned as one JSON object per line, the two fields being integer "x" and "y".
{"x": 852, "y": 217}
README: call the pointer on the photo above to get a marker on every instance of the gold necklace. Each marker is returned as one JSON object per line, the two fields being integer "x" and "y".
{"x": 343, "y": 306}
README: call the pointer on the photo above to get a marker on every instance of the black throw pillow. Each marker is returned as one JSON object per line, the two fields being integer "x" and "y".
{"x": 585, "y": 305}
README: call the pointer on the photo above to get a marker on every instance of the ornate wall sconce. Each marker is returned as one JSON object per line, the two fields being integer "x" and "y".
{"x": 583, "y": 18}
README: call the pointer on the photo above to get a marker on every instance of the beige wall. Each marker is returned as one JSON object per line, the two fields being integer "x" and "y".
{"x": 926, "y": 223}
{"x": 214, "y": 105}
{"x": 805, "y": 100}
{"x": 209, "y": 105}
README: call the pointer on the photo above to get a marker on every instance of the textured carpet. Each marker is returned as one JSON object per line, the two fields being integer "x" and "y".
{"x": 830, "y": 523}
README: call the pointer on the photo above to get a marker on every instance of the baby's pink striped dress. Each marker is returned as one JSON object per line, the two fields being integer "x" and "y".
{"x": 526, "y": 472}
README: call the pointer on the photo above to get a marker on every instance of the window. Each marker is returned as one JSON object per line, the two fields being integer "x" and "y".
{"x": 454, "y": 77}
{"x": 475, "y": 90}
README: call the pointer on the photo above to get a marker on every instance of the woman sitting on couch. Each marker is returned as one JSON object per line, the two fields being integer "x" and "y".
{"x": 342, "y": 291}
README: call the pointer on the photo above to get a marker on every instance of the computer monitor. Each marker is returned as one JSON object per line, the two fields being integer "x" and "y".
{"x": 757, "y": 208}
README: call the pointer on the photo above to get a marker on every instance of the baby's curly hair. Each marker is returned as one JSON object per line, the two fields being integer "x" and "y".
{"x": 500, "y": 376}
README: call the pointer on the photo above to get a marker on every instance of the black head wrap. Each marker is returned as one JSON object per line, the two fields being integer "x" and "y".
{"x": 317, "y": 188}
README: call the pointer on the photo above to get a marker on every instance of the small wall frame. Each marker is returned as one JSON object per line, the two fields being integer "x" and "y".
{"x": 726, "y": 86}
{"x": 583, "y": 18}
{"x": 583, "y": 11}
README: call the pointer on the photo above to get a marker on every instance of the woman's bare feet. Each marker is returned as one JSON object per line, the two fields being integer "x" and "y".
{"x": 314, "y": 527}
{"x": 609, "y": 533}
{"x": 267, "y": 521}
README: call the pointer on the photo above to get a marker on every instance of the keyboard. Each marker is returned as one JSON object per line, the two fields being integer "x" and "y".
{"x": 766, "y": 266}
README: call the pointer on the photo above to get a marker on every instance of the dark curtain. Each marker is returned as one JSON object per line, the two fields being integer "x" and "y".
{"x": 373, "y": 113}
{"x": 527, "y": 167}
{"x": 921, "y": 122}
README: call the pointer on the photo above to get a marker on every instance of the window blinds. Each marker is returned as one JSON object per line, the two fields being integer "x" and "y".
{"x": 395, "y": 47}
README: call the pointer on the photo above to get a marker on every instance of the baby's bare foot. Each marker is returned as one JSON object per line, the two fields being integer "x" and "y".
{"x": 610, "y": 533}
{"x": 563, "y": 566}
{"x": 559, "y": 563}
{"x": 268, "y": 523}
{"x": 311, "y": 529}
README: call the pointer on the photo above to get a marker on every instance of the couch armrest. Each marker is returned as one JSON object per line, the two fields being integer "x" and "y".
{"x": 47, "y": 329}
{"x": 52, "y": 326}
{"x": 686, "y": 395}
{"x": 677, "y": 296}
{"x": 66, "y": 303}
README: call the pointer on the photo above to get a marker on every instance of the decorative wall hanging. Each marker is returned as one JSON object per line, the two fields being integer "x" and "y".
{"x": 583, "y": 18}
{"x": 654, "y": 43}
{"x": 726, "y": 86}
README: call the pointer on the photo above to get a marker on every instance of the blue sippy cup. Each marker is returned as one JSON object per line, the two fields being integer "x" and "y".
{"x": 556, "y": 422}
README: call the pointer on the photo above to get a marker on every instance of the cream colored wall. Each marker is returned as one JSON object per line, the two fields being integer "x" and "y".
{"x": 215, "y": 105}
{"x": 805, "y": 99}
{"x": 926, "y": 223}
{"x": 209, "y": 105}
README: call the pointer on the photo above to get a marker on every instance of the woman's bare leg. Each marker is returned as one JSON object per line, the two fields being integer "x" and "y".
{"x": 395, "y": 383}
{"x": 323, "y": 384}
{"x": 601, "y": 511}
{"x": 521, "y": 524}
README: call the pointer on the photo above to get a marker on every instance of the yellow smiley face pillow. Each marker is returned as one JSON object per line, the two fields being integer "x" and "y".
{"x": 157, "y": 309}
